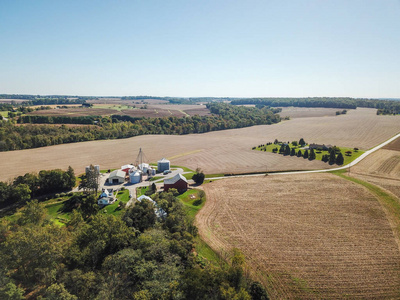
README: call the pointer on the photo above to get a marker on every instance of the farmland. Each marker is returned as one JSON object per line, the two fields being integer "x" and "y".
{"x": 382, "y": 168}
{"x": 307, "y": 112}
{"x": 138, "y": 110}
{"x": 325, "y": 237}
{"x": 227, "y": 151}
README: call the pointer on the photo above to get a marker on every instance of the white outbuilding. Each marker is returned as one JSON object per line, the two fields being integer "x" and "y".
{"x": 116, "y": 177}
{"x": 144, "y": 167}
{"x": 163, "y": 165}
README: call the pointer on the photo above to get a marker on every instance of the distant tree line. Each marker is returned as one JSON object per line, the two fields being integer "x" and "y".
{"x": 225, "y": 116}
{"x": 383, "y": 106}
{"x": 23, "y": 188}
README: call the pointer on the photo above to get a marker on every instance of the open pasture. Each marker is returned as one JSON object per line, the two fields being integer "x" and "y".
{"x": 308, "y": 236}
{"x": 227, "y": 151}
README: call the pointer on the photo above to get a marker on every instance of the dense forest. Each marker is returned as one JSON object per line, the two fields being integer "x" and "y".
{"x": 383, "y": 106}
{"x": 225, "y": 116}
{"x": 135, "y": 255}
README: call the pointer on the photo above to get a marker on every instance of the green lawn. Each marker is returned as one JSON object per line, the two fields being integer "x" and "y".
{"x": 54, "y": 210}
{"x": 184, "y": 168}
{"x": 189, "y": 198}
{"x": 318, "y": 154}
{"x": 155, "y": 178}
{"x": 4, "y": 113}
{"x": 113, "y": 209}
{"x": 141, "y": 191}
{"x": 106, "y": 171}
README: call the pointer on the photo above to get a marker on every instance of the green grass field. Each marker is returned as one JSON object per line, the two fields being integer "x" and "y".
{"x": 54, "y": 210}
{"x": 4, "y": 113}
{"x": 113, "y": 209}
{"x": 318, "y": 154}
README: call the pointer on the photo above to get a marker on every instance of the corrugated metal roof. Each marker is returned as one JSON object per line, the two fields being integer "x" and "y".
{"x": 163, "y": 160}
{"x": 117, "y": 173}
{"x": 175, "y": 179}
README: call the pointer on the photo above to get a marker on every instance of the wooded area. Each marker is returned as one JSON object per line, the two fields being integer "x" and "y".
{"x": 225, "y": 116}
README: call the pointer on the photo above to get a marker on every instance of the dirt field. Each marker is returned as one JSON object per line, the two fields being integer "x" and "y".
{"x": 381, "y": 168}
{"x": 227, "y": 151}
{"x": 395, "y": 145}
{"x": 322, "y": 238}
{"x": 74, "y": 112}
{"x": 307, "y": 112}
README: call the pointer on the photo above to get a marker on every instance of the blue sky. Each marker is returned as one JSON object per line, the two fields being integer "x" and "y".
{"x": 201, "y": 48}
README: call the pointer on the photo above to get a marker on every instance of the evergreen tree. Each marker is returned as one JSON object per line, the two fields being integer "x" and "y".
{"x": 340, "y": 159}
{"x": 325, "y": 157}
{"x": 293, "y": 152}
{"x": 302, "y": 142}
{"x": 287, "y": 150}
{"x": 299, "y": 154}
{"x": 305, "y": 154}
{"x": 312, "y": 154}
{"x": 332, "y": 157}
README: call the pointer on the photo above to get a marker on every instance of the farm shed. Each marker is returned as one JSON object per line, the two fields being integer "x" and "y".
{"x": 177, "y": 182}
{"x": 116, "y": 177}
{"x": 320, "y": 147}
{"x": 163, "y": 165}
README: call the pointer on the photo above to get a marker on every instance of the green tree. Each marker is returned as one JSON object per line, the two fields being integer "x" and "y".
{"x": 90, "y": 181}
{"x": 312, "y": 155}
{"x": 299, "y": 154}
{"x": 302, "y": 142}
{"x": 305, "y": 154}
{"x": 287, "y": 150}
{"x": 293, "y": 152}
{"x": 332, "y": 157}
{"x": 141, "y": 216}
{"x": 89, "y": 206}
{"x": 34, "y": 213}
{"x": 58, "y": 292}
{"x": 199, "y": 176}
{"x": 340, "y": 159}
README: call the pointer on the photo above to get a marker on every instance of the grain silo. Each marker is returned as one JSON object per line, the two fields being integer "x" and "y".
{"x": 163, "y": 165}
{"x": 135, "y": 177}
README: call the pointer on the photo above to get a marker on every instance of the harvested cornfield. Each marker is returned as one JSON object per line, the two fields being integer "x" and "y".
{"x": 307, "y": 112}
{"x": 73, "y": 112}
{"x": 310, "y": 236}
{"x": 395, "y": 145}
{"x": 227, "y": 151}
{"x": 381, "y": 168}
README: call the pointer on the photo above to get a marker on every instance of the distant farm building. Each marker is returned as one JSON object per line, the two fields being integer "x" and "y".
{"x": 163, "y": 165}
{"x": 127, "y": 168}
{"x": 320, "y": 147}
{"x": 178, "y": 182}
{"x": 144, "y": 167}
{"x": 135, "y": 176}
{"x": 116, "y": 177}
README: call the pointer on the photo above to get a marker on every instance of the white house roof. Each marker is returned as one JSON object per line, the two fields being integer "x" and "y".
{"x": 117, "y": 173}
{"x": 175, "y": 179}
{"x": 127, "y": 167}
{"x": 163, "y": 160}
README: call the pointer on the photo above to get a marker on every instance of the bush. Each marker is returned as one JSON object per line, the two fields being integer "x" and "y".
{"x": 197, "y": 202}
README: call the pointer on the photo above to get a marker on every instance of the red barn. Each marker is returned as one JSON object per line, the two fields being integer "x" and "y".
{"x": 177, "y": 182}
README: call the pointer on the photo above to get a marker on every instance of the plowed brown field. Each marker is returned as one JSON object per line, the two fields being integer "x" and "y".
{"x": 227, "y": 151}
{"x": 306, "y": 112}
{"x": 381, "y": 168}
{"x": 310, "y": 236}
